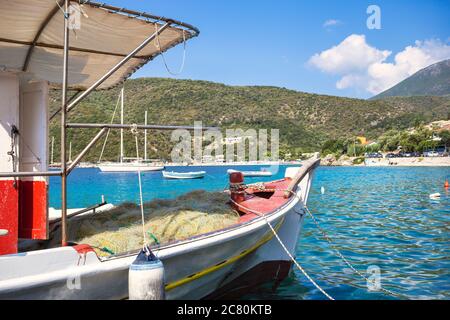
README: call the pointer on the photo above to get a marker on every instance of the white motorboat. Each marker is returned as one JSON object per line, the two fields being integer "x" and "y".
{"x": 184, "y": 175}
{"x": 110, "y": 45}
{"x": 261, "y": 173}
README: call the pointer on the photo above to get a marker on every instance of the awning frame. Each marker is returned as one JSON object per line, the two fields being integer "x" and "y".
{"x": 193, "y": 31}
{"x": 189, "y": 32}
{"x": 68, "y": 104}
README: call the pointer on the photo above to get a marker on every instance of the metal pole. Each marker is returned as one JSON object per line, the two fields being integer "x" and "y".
{"x": 86, "y": 150}
{"x": 145, "y": 138}
{"x": 70, "y": 151}
{"x": 63, "y": 127}
{"x": 130, "y": 126}
{"x": 117, "y": 66}
{"x": 29, "y": 174}
{"x": 121, "y": 122}
{"x": 68, "y": 101}
{"x": 53, "y": 142}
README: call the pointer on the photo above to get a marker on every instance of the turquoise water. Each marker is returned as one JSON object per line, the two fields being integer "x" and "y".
{"x": 377, "y": 217}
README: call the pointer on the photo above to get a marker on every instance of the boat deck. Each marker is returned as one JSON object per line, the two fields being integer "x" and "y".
{"x": 264, "y": 202}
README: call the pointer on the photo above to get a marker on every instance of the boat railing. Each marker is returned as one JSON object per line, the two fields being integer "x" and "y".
{"x": 307, "y": 167}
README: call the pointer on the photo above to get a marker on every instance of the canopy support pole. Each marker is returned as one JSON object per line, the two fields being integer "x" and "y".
{"x": 86, "y": 150}
{"x": 63, "y": 127}
{"x": 121, "y": 122}
{"x": 145, "y": 138}
{"x": 68, "y": 101}
{"x": 29, "y": 174}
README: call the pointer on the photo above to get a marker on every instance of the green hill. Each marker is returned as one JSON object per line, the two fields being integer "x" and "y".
{"x": 305, "y": 120}
{"x": 431, "y": 81}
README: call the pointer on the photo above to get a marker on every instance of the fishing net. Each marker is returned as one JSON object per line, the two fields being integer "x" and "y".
{"x": 120, "y": 229}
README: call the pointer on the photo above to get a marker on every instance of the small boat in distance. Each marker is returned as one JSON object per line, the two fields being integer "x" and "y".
{"x": 262, "y": 173}
{"x": 183, "y": 175}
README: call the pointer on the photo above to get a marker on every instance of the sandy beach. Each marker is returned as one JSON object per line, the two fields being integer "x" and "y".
{"x": 410, "y": 162}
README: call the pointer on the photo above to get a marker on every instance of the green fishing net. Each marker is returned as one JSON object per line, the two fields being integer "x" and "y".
{"x": 120, "y": 230}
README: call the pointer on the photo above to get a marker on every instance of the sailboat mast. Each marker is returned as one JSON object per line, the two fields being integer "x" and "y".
{"x": 145, "y": 138}
{"x": 121, "y": 122}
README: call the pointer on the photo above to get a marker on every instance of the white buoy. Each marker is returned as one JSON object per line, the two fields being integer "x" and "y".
{"x": 322, "y": 190}
{"x": 435, "y": 196}
{"x": 146, "y": 278}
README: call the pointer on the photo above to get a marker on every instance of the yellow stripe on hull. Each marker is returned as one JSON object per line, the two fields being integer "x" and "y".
{"x": 218, "y": 266}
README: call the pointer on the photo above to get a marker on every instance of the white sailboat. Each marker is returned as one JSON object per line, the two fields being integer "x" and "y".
{"x": 129, "y": 166}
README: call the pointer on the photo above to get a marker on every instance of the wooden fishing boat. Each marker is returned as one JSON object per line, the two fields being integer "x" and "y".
{"x": 110, "y": 45}
{"x": 261, "y": 173}
{"x": 225, "y": 263}
{"x": 184, "y": 175}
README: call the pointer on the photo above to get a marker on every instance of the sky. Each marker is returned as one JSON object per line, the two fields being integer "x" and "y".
{"x": 321, "y": 46}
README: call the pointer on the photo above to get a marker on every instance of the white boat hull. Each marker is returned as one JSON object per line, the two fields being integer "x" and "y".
{"x": 253, "y": 173}
{"x": 210, "y": 265}
{"x": 184, "y": 175}
{"x": 129, "y": 167}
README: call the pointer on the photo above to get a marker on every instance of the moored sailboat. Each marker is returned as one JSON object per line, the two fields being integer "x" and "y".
{"x": 134, "y": 165}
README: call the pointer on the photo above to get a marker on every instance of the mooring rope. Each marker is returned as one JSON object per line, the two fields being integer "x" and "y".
{"x": 134, "y": 131}
{"x": 286, "y": 249}
{"x": 330, "y": 241}
{"x": 340, "y": 255}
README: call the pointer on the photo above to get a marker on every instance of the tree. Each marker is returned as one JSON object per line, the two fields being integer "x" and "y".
{"x": 333, "y": 146}
{"x": 445, "y": 138}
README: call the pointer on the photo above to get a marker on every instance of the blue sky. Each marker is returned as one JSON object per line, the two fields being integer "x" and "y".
{"x": 268, "y": 42}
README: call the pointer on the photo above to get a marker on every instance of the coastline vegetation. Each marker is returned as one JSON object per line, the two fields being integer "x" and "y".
{"x": 307, "y": 122}
{"x": 419, "y": 139}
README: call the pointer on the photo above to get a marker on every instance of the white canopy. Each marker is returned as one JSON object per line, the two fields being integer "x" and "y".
{"x": 32, "y": 31}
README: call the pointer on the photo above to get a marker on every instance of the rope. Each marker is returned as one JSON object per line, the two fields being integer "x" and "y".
{"x": 134, "y": 131}
{"x": 109, "y": 130}
{"x": 340, "y": 255}
{"x": 330, "y": 242}
{"x": 286, "y": 249}
{"x": 12, "y": 152}
{"x": 158, "y": 45}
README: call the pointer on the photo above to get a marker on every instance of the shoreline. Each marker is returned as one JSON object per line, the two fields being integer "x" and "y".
{"x": 390, "y": 162}
{"x": 326, "y": 162}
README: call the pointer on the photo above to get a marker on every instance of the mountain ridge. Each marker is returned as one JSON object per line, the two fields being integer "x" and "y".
{"x": 433, "y": 80}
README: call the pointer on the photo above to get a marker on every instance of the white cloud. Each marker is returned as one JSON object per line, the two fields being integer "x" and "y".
{"x": 331, "y": 23}
{"x": 362, "y": 66}
{"x": 351, "y": 55}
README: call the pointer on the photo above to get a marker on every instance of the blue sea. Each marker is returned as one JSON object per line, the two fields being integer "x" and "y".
{"x": 377, "y": 216}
